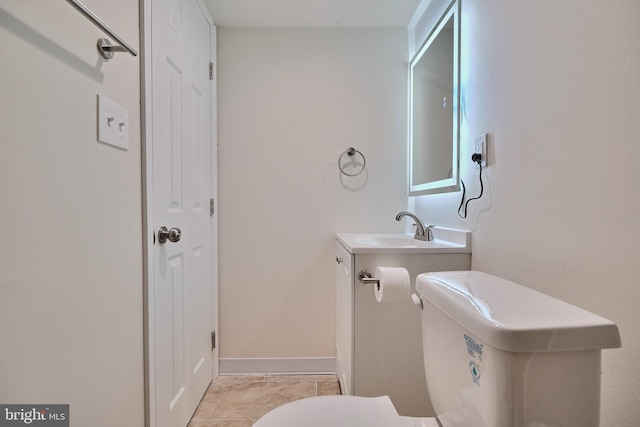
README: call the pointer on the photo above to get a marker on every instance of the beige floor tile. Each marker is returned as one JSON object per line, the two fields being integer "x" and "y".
{"x": 249, "y": 400}
{"x": 328, "y": 388}
{"x": 239, "y": 400}
{"x": 286, "y": 378}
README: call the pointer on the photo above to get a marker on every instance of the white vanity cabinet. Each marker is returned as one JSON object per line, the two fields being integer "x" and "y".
{"x": 379, "y": 345}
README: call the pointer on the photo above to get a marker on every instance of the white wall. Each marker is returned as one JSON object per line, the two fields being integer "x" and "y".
{"x": 556, "y": 85}
{"x": 71, "y": 269}
{"x": 291, "y": 101}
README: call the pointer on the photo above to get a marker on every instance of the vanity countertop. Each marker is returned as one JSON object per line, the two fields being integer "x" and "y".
{"x": 446, "y": 240}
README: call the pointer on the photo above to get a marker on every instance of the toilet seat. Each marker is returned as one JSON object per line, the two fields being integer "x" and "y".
{"x": 340, "y": 411}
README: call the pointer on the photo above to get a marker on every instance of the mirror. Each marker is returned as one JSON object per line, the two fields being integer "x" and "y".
{"x": 434, "y": 121}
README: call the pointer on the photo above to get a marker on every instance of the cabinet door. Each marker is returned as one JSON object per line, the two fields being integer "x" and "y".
{"x": 344, "y": 319}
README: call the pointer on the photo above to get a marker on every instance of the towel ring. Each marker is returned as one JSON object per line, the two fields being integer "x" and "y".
{"x": 352, "y": 152}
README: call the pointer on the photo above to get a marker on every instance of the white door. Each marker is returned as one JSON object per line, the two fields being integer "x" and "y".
{"x": 182, "y": 283}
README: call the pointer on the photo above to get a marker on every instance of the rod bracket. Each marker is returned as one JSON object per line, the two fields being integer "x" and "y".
{"x": 107, "y": 49}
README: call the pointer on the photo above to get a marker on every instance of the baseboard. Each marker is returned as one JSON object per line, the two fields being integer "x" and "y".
{"x": 273, "y": 366}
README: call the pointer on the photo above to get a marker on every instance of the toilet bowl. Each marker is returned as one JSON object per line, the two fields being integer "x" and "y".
{"x": 341, "y": 411}
{"x": 496, "y": 354}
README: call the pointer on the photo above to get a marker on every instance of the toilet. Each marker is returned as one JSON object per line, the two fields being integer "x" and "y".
{"x": 496, "y": 354}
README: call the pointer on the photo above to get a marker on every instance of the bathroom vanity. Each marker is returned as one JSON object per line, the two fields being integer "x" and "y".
{"x": 379, "y": 345}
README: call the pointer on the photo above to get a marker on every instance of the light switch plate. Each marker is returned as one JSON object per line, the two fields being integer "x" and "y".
{"x": 113, "y": 123}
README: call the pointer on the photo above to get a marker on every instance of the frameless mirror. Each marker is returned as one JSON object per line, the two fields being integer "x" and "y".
{"x": 434, "y": 120}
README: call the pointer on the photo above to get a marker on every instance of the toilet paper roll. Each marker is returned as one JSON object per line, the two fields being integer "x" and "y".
{"x": 394, "y": 285}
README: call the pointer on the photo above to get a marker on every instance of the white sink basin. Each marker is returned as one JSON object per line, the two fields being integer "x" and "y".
{"x": 446, "y": 241}
{"x": 388, "y": 240}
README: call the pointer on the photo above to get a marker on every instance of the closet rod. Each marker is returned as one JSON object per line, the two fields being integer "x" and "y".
{"x": 105, "y": 47}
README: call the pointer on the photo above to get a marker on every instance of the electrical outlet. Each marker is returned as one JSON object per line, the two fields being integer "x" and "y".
{"x": 480, "y": 147}
{"x": 113, "y": 123}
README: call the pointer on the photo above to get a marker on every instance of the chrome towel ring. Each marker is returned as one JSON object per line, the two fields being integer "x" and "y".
{"x": 351, "y": 160}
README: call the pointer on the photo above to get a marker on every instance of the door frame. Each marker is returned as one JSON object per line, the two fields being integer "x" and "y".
{"x": 147, "y": 202}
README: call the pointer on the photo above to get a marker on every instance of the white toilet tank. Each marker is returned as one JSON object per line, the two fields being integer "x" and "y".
{"x": 498, "y": 354}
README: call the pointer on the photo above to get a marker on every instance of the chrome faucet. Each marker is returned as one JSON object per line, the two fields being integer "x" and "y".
{"x": 422, "y": 232}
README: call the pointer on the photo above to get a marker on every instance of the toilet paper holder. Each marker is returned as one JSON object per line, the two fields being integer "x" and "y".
{"x": 366, "y": 278}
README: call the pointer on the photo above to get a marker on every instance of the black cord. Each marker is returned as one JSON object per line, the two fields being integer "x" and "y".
{"x": 464, "y": 192}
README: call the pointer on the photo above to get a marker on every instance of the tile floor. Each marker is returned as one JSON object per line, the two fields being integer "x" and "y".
{"x": 237, "y": 401}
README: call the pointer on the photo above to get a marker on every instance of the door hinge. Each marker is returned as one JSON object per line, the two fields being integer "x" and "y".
{"x": 210, "y": 70}
{"x": 213, "y": 340}
{"x": 212, "y": 209}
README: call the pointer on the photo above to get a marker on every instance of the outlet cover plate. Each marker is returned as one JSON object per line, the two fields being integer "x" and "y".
{"x": 480, "y": 147}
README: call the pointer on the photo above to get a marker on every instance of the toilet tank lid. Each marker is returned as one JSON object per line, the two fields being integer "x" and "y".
{"x": 512, "y": 317}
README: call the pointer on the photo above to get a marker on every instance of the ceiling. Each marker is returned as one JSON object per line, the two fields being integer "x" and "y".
{"x": 312, "y": 13}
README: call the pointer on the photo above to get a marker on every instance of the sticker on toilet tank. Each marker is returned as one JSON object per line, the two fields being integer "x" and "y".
{"x": 474, "y": 348}
{"x": 474, "y": 368}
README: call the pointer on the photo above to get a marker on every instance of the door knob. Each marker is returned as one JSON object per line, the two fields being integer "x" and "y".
{"x": 173, "y": 235}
